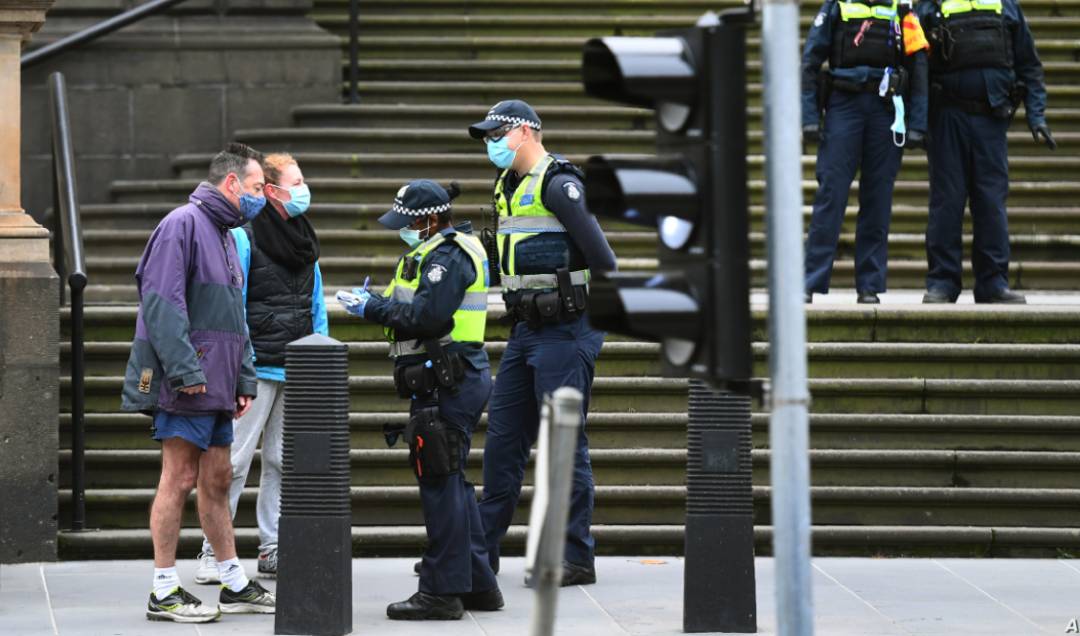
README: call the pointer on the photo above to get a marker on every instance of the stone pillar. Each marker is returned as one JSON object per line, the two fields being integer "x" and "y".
{"x": 29, "y": 326}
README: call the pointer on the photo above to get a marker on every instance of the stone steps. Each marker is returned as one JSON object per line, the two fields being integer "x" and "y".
{"x": 906, "y": 218}
{"x": 653, "y": 394}
{"x": 345, "y": 243}
{"x": 475, "y": 165}
{"x": 691, "y": 8}
{"x": 498, "y": 47}
{"x": 380, "y": 467}
{"x": 583, "y": 117}
{"x": 610, "y": 431}
{"x": 993, "y": 324}
{"x": 826, "y": 360}
{"x": 476, "y": 191}
{"x": 1057, "y": 72}
{"x": 643, "y": 539}
{"x": 114, "y": 276}
{"x": 126, "y": 508}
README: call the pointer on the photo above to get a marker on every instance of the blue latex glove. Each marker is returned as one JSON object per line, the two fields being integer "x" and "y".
{"x": 354, "y": 301}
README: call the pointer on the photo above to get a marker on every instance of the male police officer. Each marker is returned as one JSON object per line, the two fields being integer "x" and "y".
{"x": 983, "y": 63}
{"x": 434, "y": 313}
{"x": 547, "y": 245}
{"x": 876, "y": 77}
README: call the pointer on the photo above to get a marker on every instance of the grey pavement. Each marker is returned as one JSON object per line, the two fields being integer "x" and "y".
{"x": 852, "y": 597}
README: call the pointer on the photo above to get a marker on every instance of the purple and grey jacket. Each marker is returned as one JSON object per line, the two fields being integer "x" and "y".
{"x": 191, "y": 328}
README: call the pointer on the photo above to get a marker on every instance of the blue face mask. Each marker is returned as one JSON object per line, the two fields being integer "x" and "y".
{"x": 250, "y": 206}
{"x": 500, "y": 154}
{"x": 410, "y": 236}
{"x": 299, "y": 200}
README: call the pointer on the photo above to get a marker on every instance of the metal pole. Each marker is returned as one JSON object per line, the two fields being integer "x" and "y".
{"x": 562, "y": 421}
{"x": 354, "y": 51}
{"x": 78, "y": 423}
{"x": 789, "y": 424}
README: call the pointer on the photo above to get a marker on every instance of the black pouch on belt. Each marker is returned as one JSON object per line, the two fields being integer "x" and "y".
{"x": 434, "y": 448}
{"x": 574, "y": 298}
{"x": 414, "y": 379}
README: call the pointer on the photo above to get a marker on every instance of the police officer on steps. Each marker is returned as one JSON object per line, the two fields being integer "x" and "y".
{"x": 875, "y": 102}
{"x": 434, "y": 313}
{"x": 548, "y": 244}
{"x": 983, "y": 64}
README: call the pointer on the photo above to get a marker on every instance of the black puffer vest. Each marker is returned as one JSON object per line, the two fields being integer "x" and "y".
{"x": 278, "y": 304}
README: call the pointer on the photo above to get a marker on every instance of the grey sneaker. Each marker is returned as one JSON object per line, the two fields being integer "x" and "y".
{"x": 253, "y": 599}
{"x": 180, "y": 607}
{"x": 206, "y": 573}
{"x": 268, "y": 563}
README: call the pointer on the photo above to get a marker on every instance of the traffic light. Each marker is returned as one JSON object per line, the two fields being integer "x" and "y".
{"x": 693, "y": 192}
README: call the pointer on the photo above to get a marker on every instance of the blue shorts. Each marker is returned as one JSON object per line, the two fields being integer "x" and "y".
{"x": 203, "y": 431}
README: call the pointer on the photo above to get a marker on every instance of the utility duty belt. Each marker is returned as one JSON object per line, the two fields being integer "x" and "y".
{"x": 898, "y": 84}
{"x": 566, "y": 303}
{"x": 442, "y": 370}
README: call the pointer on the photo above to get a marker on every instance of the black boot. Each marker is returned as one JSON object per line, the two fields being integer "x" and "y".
{"x": 1004, "y": 296}
{"x": 488, "y": 601}
{"x": 421, "y": 607}
{"x": 572, "y": 574}
{"x": 937, "y": 297}
{"x": 868, "y": 298}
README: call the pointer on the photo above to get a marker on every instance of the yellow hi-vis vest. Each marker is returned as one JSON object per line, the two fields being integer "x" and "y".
{"x": 470, "y": 318}
{"x": 522, "y": 217}
{"x": 953, "y": 7}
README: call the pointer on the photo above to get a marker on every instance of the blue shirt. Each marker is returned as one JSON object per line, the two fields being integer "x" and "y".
{"x": 995, "y": 84}
{"x": 318, "y": 304}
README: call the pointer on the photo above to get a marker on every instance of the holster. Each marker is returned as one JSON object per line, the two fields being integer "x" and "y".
{"x": 940, "y": 97}
{"x": 434, "y": 448}
{"x": 442, "y": 370}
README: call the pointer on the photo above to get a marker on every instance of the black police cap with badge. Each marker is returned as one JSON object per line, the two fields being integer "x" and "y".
{"x": 512, "y": 111}
{"x": 416, "y": 199}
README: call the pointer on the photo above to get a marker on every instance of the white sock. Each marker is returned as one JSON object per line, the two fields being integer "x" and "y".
{"x": 232, "y": 574}
{"x": 165, "y": 581}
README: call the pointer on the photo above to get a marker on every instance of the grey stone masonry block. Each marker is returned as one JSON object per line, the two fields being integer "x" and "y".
{"x": 29, "y": 394}
{"x": 96, "y": 174}
{"x": 168, "y": 119}
{"x": 100, "y": 121}
{"x": 36, "y": 118}
{"x": 201, "y": 67}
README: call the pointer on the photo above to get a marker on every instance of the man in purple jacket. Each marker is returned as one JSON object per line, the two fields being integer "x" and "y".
{"x": 191, "y": 368}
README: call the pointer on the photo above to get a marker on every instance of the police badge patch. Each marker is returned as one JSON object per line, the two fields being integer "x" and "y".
{"x": 820, "y": 19}
{"x": 572, "y": 191}
{"x": 436, "y": 272}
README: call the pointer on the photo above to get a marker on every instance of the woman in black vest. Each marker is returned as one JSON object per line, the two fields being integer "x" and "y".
{"x": 283, "y": 294}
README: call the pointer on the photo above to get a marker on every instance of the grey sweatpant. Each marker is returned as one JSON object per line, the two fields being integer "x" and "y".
{"x": 266, "y": 419}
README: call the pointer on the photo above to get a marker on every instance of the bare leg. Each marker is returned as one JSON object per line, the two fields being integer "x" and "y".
{"x": 179, "y": 471}
{"x": 215, "y": 476}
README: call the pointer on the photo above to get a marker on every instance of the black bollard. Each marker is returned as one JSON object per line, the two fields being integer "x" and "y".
{"x": 718, "y": 581}
{"x": 314, "y": 593}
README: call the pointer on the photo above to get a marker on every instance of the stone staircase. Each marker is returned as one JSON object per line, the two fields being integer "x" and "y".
{"x": 934, "y": 430}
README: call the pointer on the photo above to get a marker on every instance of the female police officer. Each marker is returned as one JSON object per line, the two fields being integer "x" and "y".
{"x": 434, "y": 313}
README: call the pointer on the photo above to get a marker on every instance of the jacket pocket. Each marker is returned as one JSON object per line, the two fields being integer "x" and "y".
{"x": 219, "y": 360}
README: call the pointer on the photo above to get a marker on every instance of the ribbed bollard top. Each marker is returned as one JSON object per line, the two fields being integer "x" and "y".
{"x": 315, "y": 455}
{"x": 718, "y": 469}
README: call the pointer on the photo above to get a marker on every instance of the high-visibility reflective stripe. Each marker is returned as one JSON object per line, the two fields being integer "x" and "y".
{"x": 952, "y": 7}
{"x": 529, "y": 224}
{"x": 859, "y": 11}
{"x": 542, "y": 281}
{"x": 406, "y": 295}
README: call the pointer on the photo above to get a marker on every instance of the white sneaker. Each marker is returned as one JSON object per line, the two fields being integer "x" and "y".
{"x": 180, "y": 607}
{"x": 253, "y": 599}
{"x": 206, "y": 573}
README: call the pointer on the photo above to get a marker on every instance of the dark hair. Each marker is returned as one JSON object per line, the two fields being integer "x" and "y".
{"x": 453, "y": 190}
{"x": 234, "y": 158}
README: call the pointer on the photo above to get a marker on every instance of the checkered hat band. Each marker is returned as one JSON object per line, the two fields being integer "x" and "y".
{"x": 400, "y": 208}
{"x": 513, "y": 120}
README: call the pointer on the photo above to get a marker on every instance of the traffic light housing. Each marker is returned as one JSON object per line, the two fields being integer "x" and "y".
{"x": 693, "y": 192}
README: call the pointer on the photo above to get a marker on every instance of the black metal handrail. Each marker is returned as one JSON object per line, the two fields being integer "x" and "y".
{"x": 96, "y": 31}
{"x": 69, "y": 261}
{"x": 354, "y": 51}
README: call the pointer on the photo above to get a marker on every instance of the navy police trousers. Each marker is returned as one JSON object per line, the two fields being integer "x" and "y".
{"x": 968, "y": 162}
{"x": 456, "y": 560}
{"x": 536, "y": 363}
{"x": 856, "y": 137}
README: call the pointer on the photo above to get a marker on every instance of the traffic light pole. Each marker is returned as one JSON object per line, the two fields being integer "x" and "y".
{"x": 789, "y": 422}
